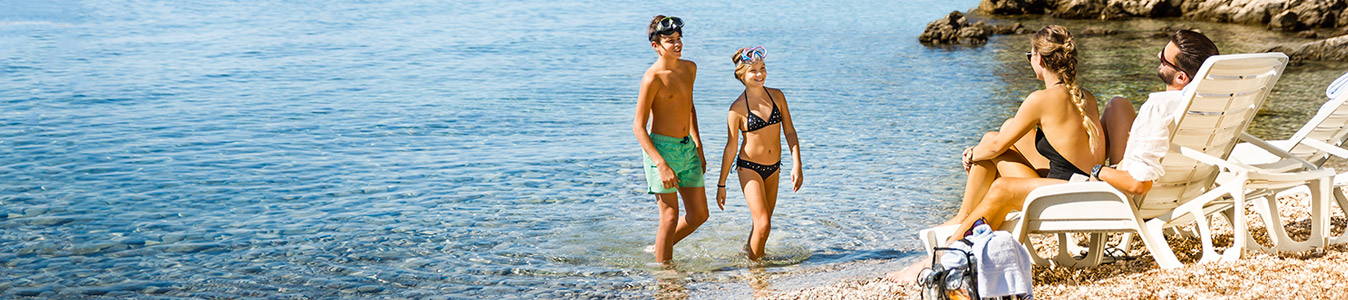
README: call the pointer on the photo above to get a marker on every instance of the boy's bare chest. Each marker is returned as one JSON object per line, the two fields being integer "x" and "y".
{"x": 676, "y": 89}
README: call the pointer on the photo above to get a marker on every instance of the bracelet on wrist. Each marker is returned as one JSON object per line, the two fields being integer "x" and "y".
{"x": 720, "y": 186}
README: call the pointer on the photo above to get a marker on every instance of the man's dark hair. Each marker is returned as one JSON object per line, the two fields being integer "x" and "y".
{"x": 1194, "y": 49}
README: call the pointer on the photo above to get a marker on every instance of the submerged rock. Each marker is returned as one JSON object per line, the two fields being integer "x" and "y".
{"x": 1327, "y": 49}
{"x": 1098, "y": 31}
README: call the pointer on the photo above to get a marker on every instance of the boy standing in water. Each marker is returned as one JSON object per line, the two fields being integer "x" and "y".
{"x": 672, "y": 148}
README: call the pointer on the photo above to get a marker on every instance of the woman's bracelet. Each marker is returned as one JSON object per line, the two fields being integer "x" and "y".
{"x": 720, "y": 186}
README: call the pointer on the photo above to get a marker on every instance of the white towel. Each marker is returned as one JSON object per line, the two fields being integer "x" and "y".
{"x": 1003, "y": 264}
{"x": 1339, "y": 87}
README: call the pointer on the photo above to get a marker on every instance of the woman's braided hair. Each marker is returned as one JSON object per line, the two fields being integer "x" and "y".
{"x": 1058, "y": 52}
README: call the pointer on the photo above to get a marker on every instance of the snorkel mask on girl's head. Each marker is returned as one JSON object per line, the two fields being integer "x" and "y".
{"x": 667, "y": 26}
{"x": 749, "y": 55}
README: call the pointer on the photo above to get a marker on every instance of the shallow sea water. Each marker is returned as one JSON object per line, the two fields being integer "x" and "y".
{"x": 415, "y": 149}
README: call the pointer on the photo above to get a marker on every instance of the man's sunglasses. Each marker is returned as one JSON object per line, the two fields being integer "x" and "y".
{"x": 749, "y": 55}
{"x": 1168, "y": 63}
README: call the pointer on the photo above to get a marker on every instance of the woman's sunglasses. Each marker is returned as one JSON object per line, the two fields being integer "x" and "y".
{"x": 751, "y": 54}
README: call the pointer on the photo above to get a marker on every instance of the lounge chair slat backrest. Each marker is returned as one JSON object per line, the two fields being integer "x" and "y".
{"x": 1219, "y": 105}
{"x": 1329, "y": 125}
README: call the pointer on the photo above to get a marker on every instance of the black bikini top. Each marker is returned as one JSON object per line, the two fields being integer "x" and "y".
{"x": 754, "y": 122}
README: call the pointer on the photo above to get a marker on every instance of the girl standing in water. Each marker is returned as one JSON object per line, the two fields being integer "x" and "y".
{"x": 761, "y": 114}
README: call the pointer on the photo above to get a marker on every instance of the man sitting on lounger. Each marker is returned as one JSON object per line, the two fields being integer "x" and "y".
{"x": 1138, "y": 160}
{"x": 1139, "y": 164}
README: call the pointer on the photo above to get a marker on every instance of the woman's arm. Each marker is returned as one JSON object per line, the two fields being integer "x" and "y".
{"x": 789, "y": 129}
{"x": 728, "y": 157}
{"x": 1025, "y": 119}
{"x": 646, "y": 95}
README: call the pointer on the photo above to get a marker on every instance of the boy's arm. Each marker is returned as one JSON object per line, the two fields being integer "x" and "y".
{"x": 646, "y": 95}
{"x": 693, "y": 131}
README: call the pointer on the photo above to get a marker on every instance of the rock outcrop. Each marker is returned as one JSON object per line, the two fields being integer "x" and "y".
{"x": 954, "y": 28}
{"x": 1289, "y": 15}
{"x": 1327, "y": 49}
{"x": 1299, "y": 17}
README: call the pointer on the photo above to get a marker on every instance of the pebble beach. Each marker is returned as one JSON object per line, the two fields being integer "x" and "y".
{"x": 1314, "y": 274}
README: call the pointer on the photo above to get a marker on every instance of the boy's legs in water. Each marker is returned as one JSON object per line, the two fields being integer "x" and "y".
{"x": 672, "y": 228}
{"x": 694, "y": 211}
{"x": 669, "y": 221}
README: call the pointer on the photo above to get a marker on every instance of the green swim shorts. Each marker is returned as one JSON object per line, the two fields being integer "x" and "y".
{"x": 681, "y": 156}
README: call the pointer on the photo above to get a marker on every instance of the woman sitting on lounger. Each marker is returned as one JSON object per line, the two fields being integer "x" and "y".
{"x": 1068, "y": 134}
{"x": 1068, "y": 129}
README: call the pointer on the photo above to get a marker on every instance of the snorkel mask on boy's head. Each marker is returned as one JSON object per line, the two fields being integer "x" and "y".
{"x": 666, "y": 26}
{"x": 750, "y": 55}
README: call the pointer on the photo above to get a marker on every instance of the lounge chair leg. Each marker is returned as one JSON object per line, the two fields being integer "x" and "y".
{"x": 1320, "y": 212}
{"x": 1343, "y": 206}
{"x": 1126, "y": 242}
{"x": 1160, "y": 250}
{"x": 1265, "y": 207}
{"x": 1240, "y": 231}
{"x": 1034, "y": 253}
{"x": 1204, "y": 226}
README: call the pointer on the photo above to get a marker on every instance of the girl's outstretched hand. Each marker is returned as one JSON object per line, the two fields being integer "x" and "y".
{"x": 720, "y": 197}
{"x": 797, "y": 178}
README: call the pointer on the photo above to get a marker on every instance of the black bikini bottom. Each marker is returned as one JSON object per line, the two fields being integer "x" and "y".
{"x": 763, "y": 170}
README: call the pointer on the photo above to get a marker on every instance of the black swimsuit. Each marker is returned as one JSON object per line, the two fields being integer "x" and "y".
{"x": 1058, "y": 166}
{"x": 755, "y": 123}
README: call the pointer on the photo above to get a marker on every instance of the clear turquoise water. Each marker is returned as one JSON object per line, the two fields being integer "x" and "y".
{"x": 411, "y": 149}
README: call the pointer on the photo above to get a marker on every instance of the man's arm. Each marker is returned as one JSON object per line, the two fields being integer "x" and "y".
{"x": 1124, "y": 182}
{"x": 1148, "y": 142}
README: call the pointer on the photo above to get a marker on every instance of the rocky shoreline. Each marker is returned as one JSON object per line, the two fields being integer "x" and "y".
{"x": 1312, "y": 19}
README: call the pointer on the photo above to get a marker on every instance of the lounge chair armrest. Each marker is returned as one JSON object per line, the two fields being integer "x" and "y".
{"x": 1280, "y": 152}
{"x": 1331, "y": 149}
{"x": 1209, "y": 159}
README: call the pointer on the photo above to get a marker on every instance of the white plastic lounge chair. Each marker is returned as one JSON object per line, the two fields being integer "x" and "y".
{"x": 1221, "y": 103}
{"x": 1297, "y": 163}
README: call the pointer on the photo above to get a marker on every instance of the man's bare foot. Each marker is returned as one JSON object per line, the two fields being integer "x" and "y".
{"x": 907, "y": 275}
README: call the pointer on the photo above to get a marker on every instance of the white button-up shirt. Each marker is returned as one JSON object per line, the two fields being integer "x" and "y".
{"x": 1149, "y": 139}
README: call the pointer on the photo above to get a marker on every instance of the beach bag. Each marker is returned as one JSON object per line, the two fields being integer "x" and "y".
{"x": 954, "y": 276}
{"x": 986, "y": 264}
